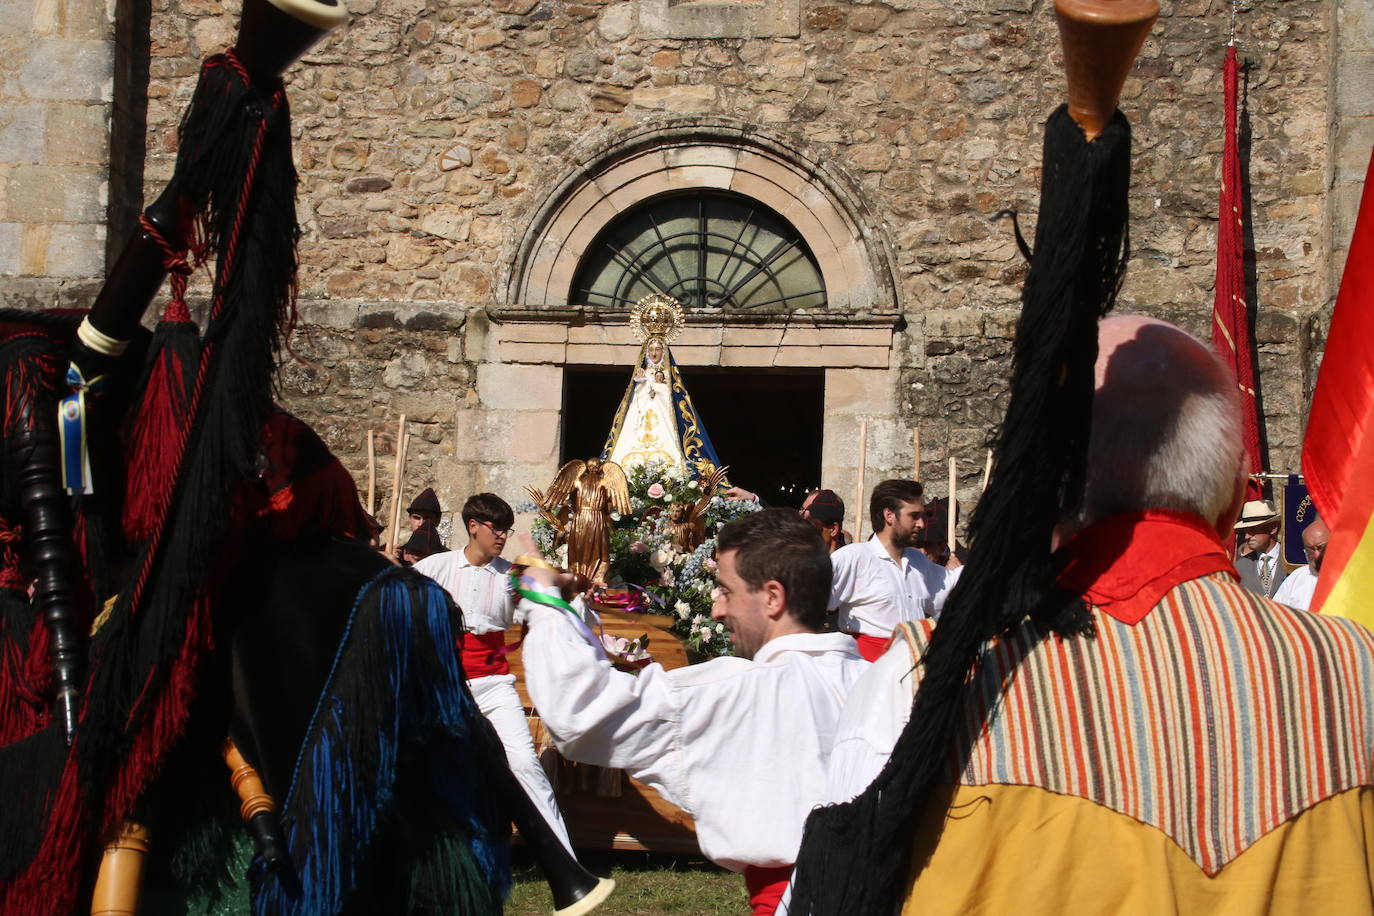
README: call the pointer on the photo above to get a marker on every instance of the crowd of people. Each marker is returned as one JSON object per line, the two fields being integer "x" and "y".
{"x": 1207, "y": 747}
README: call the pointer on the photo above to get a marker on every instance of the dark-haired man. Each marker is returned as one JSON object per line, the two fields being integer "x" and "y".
{"x": 476, "y": 578}
{"x": 886, "y": 581}
{"x": 825, "y": 511}
{"x": 741, "y": 743}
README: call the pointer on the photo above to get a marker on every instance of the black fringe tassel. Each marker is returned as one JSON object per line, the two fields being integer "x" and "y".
{"x": 856, "y": 857}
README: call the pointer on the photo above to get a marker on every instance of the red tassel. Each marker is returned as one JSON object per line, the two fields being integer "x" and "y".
{"x": 163, "y": 422}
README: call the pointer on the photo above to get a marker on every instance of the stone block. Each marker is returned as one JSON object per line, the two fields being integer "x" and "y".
{"x": 76, "y": 134}
{"x": 953, "y": 323}
{"x": 532, "y": 332}
{"x": 21, "y": 131}
{"x": 327, "y": 313}
{"x": 859, "y": 391}
{"x": 11, "y": 243}
{"x": 602, "y": 354}
{"x": 69, "y": 70}
{"x": 1355, "y": 83}
{"x": 519, "y": 387}
{"x": 76, "y": 251}
{"x": 866, "y": 357}
{"x": 524, "y": 352}
{"x": 752, "y": 337}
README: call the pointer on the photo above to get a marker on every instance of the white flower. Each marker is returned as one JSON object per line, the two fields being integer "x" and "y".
{"x": 615, "y": 516}
{"x": 705, "y": 636}
{"x": 683, "y": 609}
{"x": 661, "y": 558}
{"x": 696, "y": 621}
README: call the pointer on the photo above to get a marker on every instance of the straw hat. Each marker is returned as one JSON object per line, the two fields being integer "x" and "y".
{"x": 1257, "y": 512}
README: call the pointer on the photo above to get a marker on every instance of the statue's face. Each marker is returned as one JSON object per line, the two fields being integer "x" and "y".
{"x": 655, "y": 349}
{"x": 677, "y": 513}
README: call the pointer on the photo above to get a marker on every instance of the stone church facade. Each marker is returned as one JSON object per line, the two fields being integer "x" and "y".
{"x": 479, "y": 184}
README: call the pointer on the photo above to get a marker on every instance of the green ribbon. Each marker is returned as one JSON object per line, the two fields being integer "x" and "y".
{"x": 540, "y": 598}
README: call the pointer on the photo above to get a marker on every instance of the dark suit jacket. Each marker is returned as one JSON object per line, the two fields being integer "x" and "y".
{"x": 1248, "y": 567}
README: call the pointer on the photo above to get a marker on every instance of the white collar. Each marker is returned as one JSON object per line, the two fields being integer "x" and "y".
{"x": 810, "y": 643}
{"x": 498, "y": 565}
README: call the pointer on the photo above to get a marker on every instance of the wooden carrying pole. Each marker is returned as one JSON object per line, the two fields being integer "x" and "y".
{"x": 394, "y": 531}
{"x": 371, "y": 473}
{"x": 120, "y": 880}
{"x": 859, "y": 490}
{"x": 953, "y": 513}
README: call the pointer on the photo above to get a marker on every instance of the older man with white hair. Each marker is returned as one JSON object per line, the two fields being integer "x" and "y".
{"x": 1198, "y": 748}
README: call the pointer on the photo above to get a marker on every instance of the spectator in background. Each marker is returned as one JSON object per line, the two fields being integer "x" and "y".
{"x": 1261, "y": 570}
{"x": 424, "y": 510}
{"x": 1296, "y": 590}
{"x": 825, "y": 511}
{"x": 885, "y": 580}
{"x": 424, "y": 541}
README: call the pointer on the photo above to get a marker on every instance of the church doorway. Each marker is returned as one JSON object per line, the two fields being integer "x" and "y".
{"x": 766, "y": 424}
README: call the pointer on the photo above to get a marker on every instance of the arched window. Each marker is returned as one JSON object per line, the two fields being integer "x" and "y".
{"x": 706, "y": 249}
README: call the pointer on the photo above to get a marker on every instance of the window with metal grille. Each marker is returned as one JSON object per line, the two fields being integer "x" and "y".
{"x": 706, "y": 249}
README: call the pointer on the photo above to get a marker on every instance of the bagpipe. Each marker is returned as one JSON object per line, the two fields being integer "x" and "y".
{"x": 198, "y": 572}
{"x": 860, "y": 856}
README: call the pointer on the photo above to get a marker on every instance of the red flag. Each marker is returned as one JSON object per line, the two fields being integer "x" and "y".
{"x": 1230, "y": 316}
{"x": 1338, "y": 449}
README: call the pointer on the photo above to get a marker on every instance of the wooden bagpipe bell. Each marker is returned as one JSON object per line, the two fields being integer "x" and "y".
{"x": 1101, "y": 39}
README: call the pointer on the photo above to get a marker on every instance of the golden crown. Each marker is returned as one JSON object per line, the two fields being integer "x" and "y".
{"x": 656, "y": 315}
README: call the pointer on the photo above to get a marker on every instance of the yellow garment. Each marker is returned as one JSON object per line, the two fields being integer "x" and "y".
{"x": 1025, "y": 850}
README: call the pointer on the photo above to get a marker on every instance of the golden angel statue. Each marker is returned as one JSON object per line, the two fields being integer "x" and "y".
{"x": 596, "y": 488}
{"x": 689, "y": 521}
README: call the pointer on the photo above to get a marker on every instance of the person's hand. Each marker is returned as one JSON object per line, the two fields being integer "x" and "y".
{"x": 741, "y": 493}
{"x": 569, "y": 584}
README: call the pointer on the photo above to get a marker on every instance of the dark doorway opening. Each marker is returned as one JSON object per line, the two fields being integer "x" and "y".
{"x": 766, "y": 424}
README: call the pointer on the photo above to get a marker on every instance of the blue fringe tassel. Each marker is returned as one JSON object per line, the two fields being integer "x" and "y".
{"x": 396, "y": 682}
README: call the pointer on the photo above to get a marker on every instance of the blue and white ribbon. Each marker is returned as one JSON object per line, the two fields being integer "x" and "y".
{"x": 71, "y": 427}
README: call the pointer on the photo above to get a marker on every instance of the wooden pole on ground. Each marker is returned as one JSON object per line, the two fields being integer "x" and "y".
{"x": 953, "y": 538}
{"x": 916, "y": 453}
{"x": 395, "y": 528}
{"x": 371, "y": 473}
{"x": 859, "y": 491}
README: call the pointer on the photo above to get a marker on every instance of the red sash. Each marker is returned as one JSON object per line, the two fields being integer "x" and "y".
{"x": 482, "y": 655}
{"x": 766, "y": 887}
{"x": 871, "y": 647}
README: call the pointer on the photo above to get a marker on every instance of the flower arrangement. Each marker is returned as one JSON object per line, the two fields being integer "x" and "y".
{"x": 645, "y": 554}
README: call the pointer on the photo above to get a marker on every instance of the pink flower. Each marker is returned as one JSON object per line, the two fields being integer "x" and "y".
{"x": 639, "y": 547}
{"x": 656, "y": 490}
{"x": 710, "y": 564}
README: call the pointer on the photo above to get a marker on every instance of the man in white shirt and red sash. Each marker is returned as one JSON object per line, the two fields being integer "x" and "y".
{"x": 476, "y": 577}
{"x": 886, "y": 581}
{"x": 740, "y": 743}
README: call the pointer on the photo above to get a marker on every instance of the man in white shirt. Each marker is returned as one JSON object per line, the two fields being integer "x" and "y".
{"x": 740, "y": 743}
{"x": 476, "y": 577}
{"x": 1296, "y": 590}
{"x": 1261, "y": 570}
{"x": 885, "y": 580}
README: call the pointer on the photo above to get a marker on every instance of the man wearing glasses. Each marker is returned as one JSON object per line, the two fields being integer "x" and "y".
{"x": 1296, "y": 590}
{"x": 476, "y": 578}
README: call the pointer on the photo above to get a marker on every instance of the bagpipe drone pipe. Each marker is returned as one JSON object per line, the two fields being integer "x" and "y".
{"x": 130, "y": 665}
{"x": 860, "y": 856}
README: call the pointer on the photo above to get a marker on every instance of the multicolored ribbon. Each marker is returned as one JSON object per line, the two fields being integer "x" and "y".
{"x": 71, "y": 427}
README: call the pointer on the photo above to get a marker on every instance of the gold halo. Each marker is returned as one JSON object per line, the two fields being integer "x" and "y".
{"x": 656, "y": 315}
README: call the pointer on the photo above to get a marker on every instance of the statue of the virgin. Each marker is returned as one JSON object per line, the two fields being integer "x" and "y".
{"x": 656, "y": 420}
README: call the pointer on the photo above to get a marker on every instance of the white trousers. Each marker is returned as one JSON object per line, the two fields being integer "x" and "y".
{"x": 498, "y": 701}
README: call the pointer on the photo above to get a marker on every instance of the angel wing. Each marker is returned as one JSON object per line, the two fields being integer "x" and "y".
{"x": 709, "y": 483}
{"x": 564, "y": 482}
{"x": 617, "y": 486}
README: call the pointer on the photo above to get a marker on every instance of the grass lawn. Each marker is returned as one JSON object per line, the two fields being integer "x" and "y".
{"x": 645, "y": 885}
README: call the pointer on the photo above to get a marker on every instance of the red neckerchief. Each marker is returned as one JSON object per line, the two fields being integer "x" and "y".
{"x": 1125, "y": 564}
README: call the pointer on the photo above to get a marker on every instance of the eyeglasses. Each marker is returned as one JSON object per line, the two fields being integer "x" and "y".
{"x": 498, "y": 532}
{"x": 1314, "y": 549}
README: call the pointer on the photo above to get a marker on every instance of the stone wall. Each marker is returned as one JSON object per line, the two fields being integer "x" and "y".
{"x": 55, "y": 94}
{"x": 430, "y": 135}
